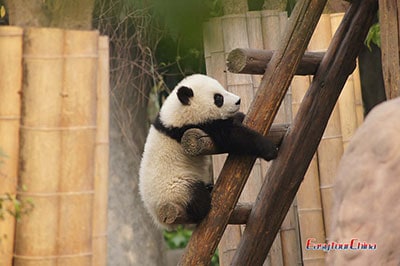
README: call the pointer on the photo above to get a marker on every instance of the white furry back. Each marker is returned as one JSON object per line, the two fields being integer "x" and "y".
{"x": 164, "y": 171}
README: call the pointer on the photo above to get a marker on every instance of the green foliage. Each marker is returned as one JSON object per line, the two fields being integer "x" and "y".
{"x": 18, "y": 207}
{"x": 373, "y": 36}
{"x": 186, "y": 17}
{"x": 290, "y": 6}
{"x": 180, "y": 52}
{"x": 179, "y": 238}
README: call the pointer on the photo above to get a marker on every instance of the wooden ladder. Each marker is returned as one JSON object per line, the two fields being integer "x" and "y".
{"x": 300, "y": 142}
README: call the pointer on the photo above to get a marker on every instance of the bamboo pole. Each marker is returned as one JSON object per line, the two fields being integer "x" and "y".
{"x": 214, "y": 53}
{"x": 254, "y": 34}
{"x": 241, "y": 85}
{"x": 287, "y": 171}
{"x": 271, "y": 33}
{"x": 358, "y": 96}
{"x": 330, "y": 149}
{"x": 309, "y": 207}
{"x": 77, "y": 169}
{"x": 101, "y": 157}
{"x": 57, "y": 150}
{"x": 268, "y": 98}
{"x": 347, "y": 99}
{"x": 286, "y": 243}
{"x": 10, "y": 89}
{"x": 40, "y": 148}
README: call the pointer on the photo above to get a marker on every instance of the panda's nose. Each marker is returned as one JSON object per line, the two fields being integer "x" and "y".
{"x": 238, "y": 102}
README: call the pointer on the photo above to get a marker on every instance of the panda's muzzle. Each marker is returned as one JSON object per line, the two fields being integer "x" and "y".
{"x": 238, "y": 102}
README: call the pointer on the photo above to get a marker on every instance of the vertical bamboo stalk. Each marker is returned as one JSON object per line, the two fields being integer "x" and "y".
{"x": 10, "y": 88}
{"x": 289, "y": 231}
{"x": 215, "y": 56}
{"x": 254, "y": 32}
{"x": 274, "y": 24}
{"x": 36, "y": 233}
{"x": 271, "y": 32}
{"x": 358, "y": 96}
{"x": 308, "y": 197}
{"x": 78, "y": 128}
{"x": 101, "y": 157}
{"x": 241, "y": 85}
{"x": 214, "y": 50}
{"x": 330, "y": 148}
{"x": 255, "y": 36}
{"x": 347, "y": 103}
{"x": 57, "y": 147}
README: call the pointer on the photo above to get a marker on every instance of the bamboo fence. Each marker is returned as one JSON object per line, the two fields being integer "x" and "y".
{"x": 101, "y": 157}
{"x": 10, "y": 89}
{"x": 51, "y": 134}
{"x": 309, "y": 215}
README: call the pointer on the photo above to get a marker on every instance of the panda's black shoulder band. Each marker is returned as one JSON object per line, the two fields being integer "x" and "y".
{"x": 175, "y": 133}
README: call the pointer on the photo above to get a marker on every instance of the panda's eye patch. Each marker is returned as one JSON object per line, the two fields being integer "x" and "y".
{"x": 218, "y": 100}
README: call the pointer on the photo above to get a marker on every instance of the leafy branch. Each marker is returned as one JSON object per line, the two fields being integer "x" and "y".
{"x": 18, "y": 209}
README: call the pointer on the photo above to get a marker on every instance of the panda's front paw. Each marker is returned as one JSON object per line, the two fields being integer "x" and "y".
{"x": 269, "y": 151}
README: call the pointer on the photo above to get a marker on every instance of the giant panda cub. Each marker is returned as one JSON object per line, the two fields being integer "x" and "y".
{"x": 167, "y": 174}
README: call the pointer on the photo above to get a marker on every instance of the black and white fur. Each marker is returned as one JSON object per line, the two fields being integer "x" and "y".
{"x": 167, "y": 174}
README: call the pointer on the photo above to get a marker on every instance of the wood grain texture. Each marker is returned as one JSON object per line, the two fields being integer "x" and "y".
{"x": 172, "y": 214}
{"x": 287, "y": 171}
{"x": 236, "y": 170}
{"x": 389, "y": 16}
{"x": 196, "y": 142}
{"x": 255, "y": 61}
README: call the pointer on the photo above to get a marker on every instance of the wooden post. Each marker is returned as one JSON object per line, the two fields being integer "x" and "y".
{"x": 287, "y": 171}
{"x": 10, "y": 103}
{"x": 196, "y": 142}
{"x": 57, "y": 147}
{"x": 389, "y": 18}
{"x": 262, "y": 112}
{"x": 101, "y": 157}
{"x": 255, "y": 61}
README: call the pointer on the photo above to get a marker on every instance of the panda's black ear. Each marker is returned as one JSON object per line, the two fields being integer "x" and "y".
{"x": 184, "y": 94}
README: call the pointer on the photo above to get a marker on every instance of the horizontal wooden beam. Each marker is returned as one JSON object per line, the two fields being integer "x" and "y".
{"x": 172, "y": 214}
{"x": 255, "y": 61}
{"x": 196, "y": 142}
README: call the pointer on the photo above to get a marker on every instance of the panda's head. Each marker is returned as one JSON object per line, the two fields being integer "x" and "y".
{"x": 197, "y": 99}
